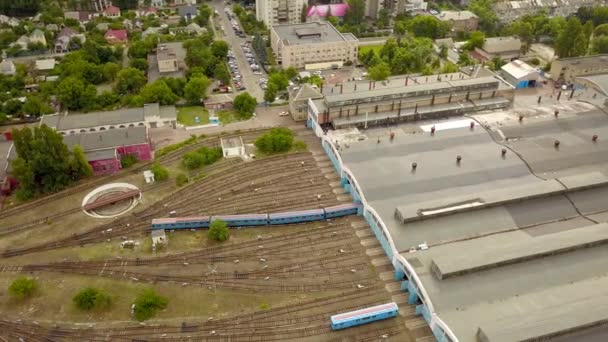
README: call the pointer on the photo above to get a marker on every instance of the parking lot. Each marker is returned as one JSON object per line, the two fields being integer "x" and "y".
{"x": 244, "y": 67}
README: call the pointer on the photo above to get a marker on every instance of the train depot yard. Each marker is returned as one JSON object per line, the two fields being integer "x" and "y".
{"x": 271, "y": 282}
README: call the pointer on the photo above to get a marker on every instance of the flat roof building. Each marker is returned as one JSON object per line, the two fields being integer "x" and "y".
{"x": 316, "y": 45}
{"x": 565, "y": 70}
{"x": 497, "y": 246}
{"x": 520, "y": 74}
{"x": 507, "y": 48}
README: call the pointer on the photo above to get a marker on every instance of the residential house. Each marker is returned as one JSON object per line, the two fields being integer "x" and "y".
{"x": 158, "y": 3}
{"x": 298, "y": 100}
{"x": 116, "y": 36}
{"x": 45, "y": 65}
{"x": 8, "y": 68}
{"x": 507, "y": 48}
{"x": 38, "y": 37}
{"x": 12, "y": 22}
{"x": 103, "y": 27}
{"x": 218, "y": 101}
{"x": 127, "y": 24}
{"x": 65, "y": 37}
{"x": 184, "y": 2}
{"x": 187, "y": 12}
{"x": 81, "y": 16}
{"x": 320, "y": 12}
{"x": 460, "y": 21}
{"x": 52, "y": 27}
{"x": 166, "y": 59}
{"x": 111, "y": 12}
{"x": 150, "y": 30}
{"x": 23, "y": 41}
{"x": 194, "y": 28}
{"x": 144, "y": 12}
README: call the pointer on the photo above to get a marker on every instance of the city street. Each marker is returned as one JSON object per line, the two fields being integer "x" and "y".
{"x": 249, "y": 79}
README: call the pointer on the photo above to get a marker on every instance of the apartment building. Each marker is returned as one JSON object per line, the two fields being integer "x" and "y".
{"x": 508, "y": 11}
{"x": 460, "y": 20}
{"x": 100, "y": 5}
{"x": 317, "y": 45}
{"x": 277, "y": 12}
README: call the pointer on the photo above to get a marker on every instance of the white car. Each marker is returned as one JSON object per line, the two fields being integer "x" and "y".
{"x": 283, "y": 114}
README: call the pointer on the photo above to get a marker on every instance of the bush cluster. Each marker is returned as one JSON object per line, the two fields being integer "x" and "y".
{"x": 91, "y": 298}
{"x": 147, "y": 303}
{"x": 276, "y": 141}
{"x": 218, "y": 231}
{"x": 202, "y": 156}
{"x": 22, "y": 288}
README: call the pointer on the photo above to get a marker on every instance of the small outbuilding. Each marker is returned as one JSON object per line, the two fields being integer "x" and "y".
{"x": 520, "y": 74}
{"x": 218, "y": 101}
{"x": 233, "y": 147}
{"x": 149, "y": 176}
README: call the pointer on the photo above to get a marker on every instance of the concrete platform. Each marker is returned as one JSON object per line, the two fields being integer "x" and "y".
{"x": 372, "y": 252}
{"x": 382, "y": 261}
{"x": 370, "y": 242}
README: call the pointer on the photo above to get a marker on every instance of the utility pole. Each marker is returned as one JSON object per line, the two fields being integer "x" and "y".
{"x": 213, "y": 272}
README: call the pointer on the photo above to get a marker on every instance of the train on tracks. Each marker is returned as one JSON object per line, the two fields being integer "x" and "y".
{"x": 363, "y": 316}
{"x": 258, "y": 219}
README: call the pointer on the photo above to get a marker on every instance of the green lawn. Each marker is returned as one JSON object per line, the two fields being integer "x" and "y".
{"x": 229, "y": 116}
{"x": 186, "y": 115}
{"x": 365, "y": 49}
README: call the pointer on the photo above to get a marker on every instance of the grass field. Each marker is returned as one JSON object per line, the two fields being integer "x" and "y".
{"x": 186, "y": 115}
{"x": 365, "y": 49}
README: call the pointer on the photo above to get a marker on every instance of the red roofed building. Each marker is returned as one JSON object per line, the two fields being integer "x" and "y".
{"x": 116, "y": 36}
{"x": 111, "y": 12}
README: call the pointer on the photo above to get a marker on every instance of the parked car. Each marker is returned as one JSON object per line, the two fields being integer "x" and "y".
{"x": 283, "y": 114}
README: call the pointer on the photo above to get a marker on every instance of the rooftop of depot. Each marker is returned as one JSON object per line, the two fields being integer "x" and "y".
{"x": 516, "y": 244}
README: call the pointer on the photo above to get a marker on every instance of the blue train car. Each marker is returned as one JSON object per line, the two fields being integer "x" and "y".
{"x": 297, "y": 216}
{"x": 243, "y": 220}
{"x": 181, "y": 222}
{"x": 342, "y": 210}
{"x": 363, "y": 316}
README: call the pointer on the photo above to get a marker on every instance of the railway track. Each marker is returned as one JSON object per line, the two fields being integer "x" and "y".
{"x": 198, "y": 196}
{"x": 212, "y": 141}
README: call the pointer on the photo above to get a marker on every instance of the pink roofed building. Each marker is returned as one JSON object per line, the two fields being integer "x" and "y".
{"x": 320, "y": 12}
{"x": 111, "y": 12}
{"x": 115, "y": 36}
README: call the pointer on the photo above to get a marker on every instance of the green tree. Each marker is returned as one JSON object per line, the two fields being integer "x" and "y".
{"x": 43, "y": 162}
{"x": 36, "y": 107}
{"x": 245, "y": 104}
{"x": 196, "y": 89}
{"x": 384, "y": 18}
{"x": 91, "y": 298}
{"x": 279, "y": 79}
{"x": 147, "y": 303}
{"x": 128, "y": 160}
{"x": 476, "y": 40}
{"x": 464, "y": 59}
{"x": 220, "y": 48}
{"x": 449, "y": 68}
{"x": 600, "y": 45}
{"x": 129, "y": 81}
{"x": 428, "y": 26}
{"x": 278, "y": 140}
{"x": 221, "y": 73}
{"x": 443, "y": 51}
{"x": 496, "y": 63}
{"x": 270, "y": 93}
{"x": 110, "y": 70}
{"x": 218, "y": 231}
{"x": 601, "y": 30}
{"x": 12, "y": 107}
{"x": 22, "y": 288}
{"x": 571, "y": 42}
{"x": 160, "y": 173}
{"x": 379, "y": 72}
{"x": 177, "y": 85}
{"x": 75, "y": 94}
{"x": 159, "y": 92}
{"x": 355, "y": 14}
{"x": 181, "y": 179}
{"x": 488, "y": 20}
{"x": 139, "y": 63}
{"x": 79, "y": 166}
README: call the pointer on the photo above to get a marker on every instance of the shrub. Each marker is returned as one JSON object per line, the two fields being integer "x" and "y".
{"x": 22, "y": 287}
{"x": 128, "y": 161}
{"x": 218, "y": 231}
{"x": 91, "y": 298}
{"x": 535, "y": 61}
{"x": 276, "y": 141}
{"x": 300, "y": 146}
{"x": 200, "y": 157}
{"x": 160, "y": 173}
{"x": 147, "y": 303}
{"x": 174, "y": 147}
{"x": 181, "y": 179}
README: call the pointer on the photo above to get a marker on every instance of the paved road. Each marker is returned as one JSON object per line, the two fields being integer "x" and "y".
{"x": 249, "y": 79}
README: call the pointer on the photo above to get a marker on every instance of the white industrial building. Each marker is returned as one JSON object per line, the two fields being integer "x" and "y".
{"x": 316, "y": 45}
{"x": 232, "y": 147}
